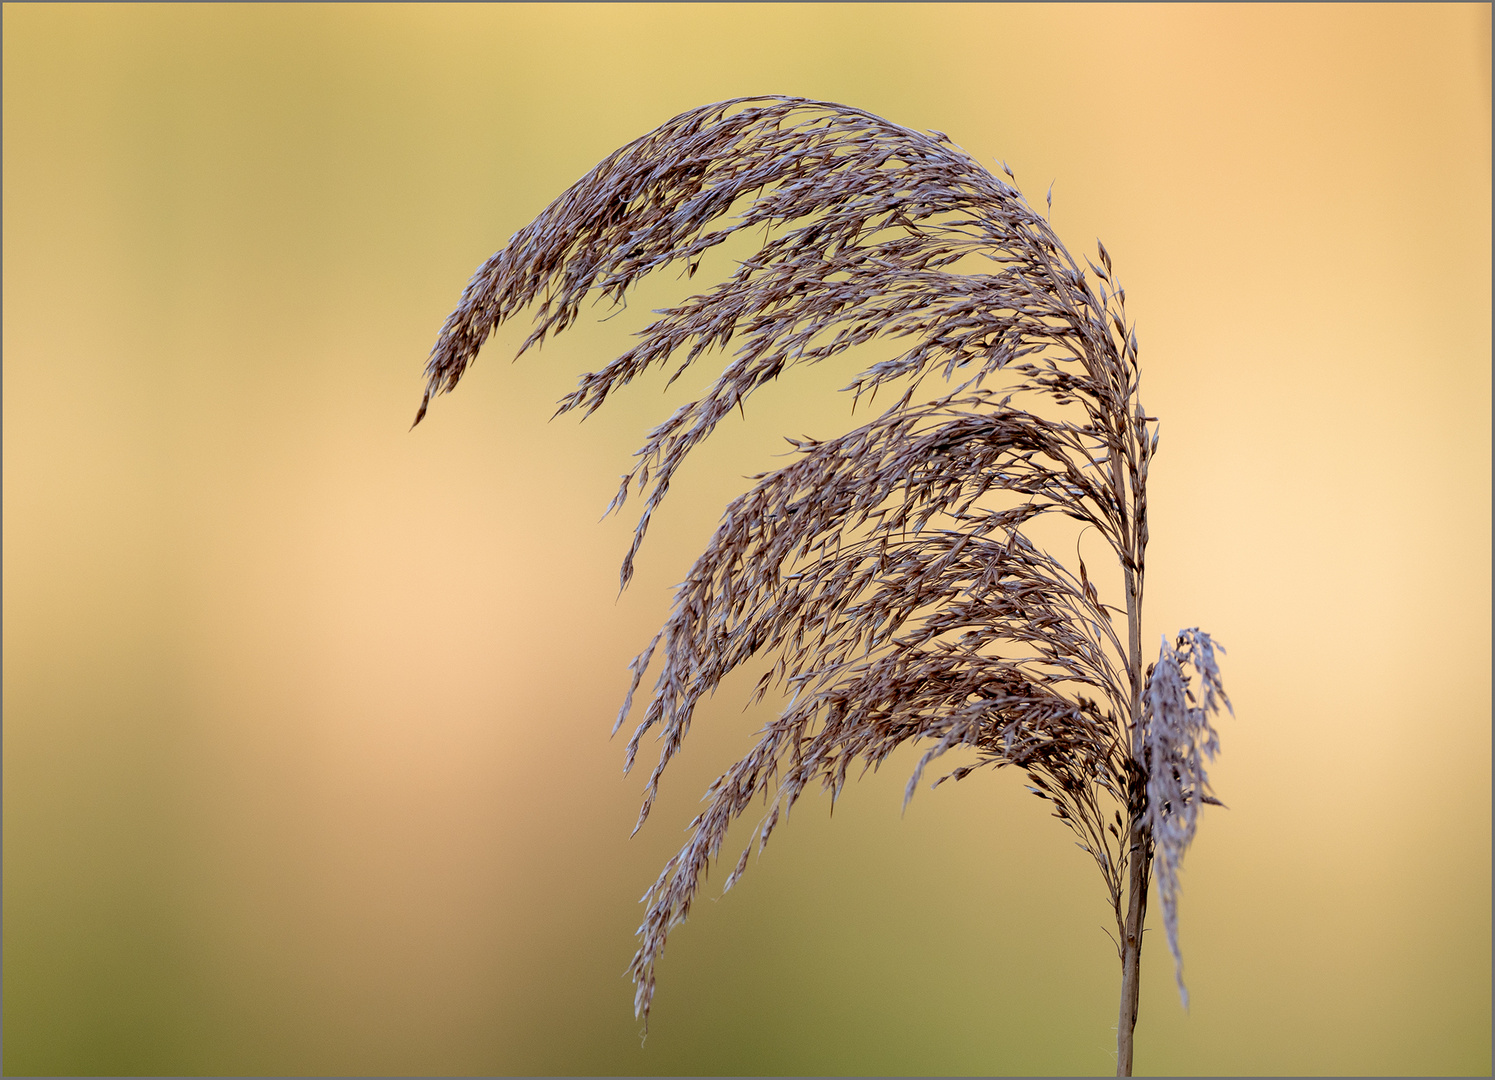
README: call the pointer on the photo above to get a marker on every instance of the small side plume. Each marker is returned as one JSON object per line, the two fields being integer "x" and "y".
{"x": 1184, "y": 690}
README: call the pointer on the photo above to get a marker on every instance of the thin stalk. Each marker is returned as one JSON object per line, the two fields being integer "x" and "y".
{"x": 1139, "y": 843}
{"x": 1131, "y": 945}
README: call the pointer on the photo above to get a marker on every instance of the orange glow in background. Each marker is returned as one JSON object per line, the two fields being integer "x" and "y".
{"x": 306, "y": 766}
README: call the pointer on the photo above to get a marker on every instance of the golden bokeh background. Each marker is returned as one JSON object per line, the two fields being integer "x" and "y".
{"x": 306, "y": 766}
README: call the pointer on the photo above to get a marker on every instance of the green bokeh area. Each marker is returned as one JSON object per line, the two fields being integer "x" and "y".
{"x": 306, "y": 767}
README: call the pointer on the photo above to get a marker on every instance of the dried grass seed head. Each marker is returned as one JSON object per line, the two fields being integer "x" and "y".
{"x": 897, "y": 601}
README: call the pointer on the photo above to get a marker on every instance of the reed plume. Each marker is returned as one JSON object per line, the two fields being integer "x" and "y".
{"x": 886, "y": 577}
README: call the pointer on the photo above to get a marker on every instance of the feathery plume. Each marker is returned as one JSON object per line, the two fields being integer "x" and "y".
{"x": 887, "y": 573}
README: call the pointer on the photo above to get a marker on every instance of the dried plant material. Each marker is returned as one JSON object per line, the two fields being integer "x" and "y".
{"x": 1178, "y": 739}
{"x": 886, "y": 575}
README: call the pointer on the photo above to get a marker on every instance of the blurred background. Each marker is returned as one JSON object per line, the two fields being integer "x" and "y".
{"x": 306, "y": 756}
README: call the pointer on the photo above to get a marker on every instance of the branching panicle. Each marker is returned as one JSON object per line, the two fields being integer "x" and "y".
{"x": 886, "y": 574}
